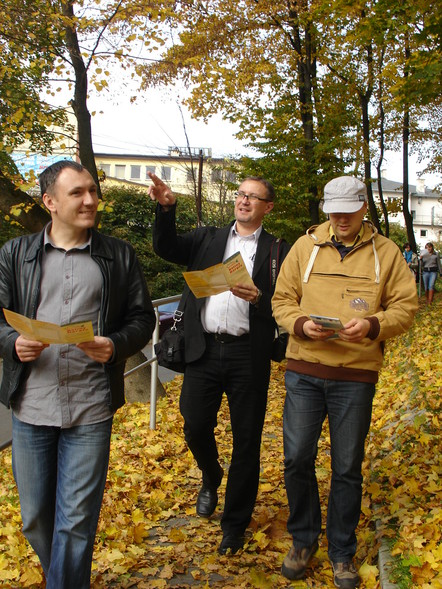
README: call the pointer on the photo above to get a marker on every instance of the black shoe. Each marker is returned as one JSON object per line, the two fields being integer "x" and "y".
{"x": 206, "y": 502}
{"x": 231, "y": 543}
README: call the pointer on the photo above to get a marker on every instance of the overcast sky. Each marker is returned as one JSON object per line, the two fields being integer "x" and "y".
{"x": 154, "y": 123}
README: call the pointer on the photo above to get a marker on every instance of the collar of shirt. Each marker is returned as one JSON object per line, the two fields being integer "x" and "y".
{"x": 350, "y": 245}
{"x": 246, "y": 244}
{"x": 48, "y": 241}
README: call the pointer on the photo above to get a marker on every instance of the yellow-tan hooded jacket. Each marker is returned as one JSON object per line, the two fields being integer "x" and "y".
{"x": 371, "y": 281}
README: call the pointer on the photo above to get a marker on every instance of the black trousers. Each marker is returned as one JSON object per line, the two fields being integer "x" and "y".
{"x": 226, "y": 368}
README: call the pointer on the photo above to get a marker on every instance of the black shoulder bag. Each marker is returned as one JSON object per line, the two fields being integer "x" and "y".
{"x": 170, "y": 349}
{"x": 280, "y": 342}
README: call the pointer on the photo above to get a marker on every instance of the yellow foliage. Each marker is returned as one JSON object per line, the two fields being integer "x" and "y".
{"x": 149, "y": 534}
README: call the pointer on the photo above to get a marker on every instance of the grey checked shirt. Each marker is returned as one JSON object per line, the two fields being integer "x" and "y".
{"x": 65, "y": 387}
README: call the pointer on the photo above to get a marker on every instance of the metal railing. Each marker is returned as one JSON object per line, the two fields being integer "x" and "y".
{"x": 152, "y": 361}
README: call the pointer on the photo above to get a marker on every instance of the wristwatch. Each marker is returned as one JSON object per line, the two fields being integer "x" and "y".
{"x": 257, "y": 298}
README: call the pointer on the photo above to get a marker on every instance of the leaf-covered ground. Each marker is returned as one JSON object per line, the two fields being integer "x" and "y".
{"x": 149, "y": 536}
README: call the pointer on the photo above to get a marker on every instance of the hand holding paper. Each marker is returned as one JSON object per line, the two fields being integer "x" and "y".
{"x": 218, "y": 278}
{"x": 50, "y": 333}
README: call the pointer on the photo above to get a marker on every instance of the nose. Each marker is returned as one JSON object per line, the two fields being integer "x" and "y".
{"x": 90, "y": 198}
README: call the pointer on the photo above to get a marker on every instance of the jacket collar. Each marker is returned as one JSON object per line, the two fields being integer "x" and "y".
{"x": 99, "y": 246}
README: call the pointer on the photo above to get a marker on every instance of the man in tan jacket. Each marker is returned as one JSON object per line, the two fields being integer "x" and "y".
{"x": 359, "y": 291}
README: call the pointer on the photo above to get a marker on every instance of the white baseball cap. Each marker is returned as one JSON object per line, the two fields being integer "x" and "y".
{"x": 345, "y": 194}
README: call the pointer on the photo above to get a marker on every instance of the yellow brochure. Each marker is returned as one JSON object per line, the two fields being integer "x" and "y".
{"x": 218, "y": 278}
{"x": 50, "y": 333}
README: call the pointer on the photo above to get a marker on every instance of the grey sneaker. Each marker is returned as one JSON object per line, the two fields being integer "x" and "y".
{"x": 345, "y": 575}
{"x": 296, "y": 561}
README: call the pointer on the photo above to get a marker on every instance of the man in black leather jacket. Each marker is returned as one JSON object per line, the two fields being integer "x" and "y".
{"x": 63, "y": 396}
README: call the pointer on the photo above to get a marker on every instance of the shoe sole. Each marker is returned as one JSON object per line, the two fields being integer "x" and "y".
{"x": 289, "y": 574}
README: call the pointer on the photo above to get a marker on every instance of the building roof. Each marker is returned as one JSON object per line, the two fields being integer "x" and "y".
{"x": 139, "y": 156}
{"x": 392, "y": 186}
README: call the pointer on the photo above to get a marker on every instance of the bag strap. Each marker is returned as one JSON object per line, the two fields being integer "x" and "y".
{"x": 274, "y": 261}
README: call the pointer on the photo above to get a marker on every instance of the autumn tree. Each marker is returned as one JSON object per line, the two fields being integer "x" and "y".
{"x": 256, "y": 62}
{"x": 302, "y": 79}
{"x": 47, "y": 45}
{"x": 27, "y": 59}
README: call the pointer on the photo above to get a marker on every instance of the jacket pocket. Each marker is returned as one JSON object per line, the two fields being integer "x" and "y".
{"x": 360, "y": 301}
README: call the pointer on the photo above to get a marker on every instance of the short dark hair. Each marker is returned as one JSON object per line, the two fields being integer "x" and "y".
{"x": 406, "y": 245}
{"x": 268, "y": 185}
{"x": 49, "y": 176}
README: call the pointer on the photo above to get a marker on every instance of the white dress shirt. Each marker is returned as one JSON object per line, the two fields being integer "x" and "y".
{"x": 224, "y": 312}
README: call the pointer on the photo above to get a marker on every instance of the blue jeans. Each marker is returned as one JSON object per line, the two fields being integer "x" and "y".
{"x": 348, "y": 406}
{"x": 60, "y": 475}
{"x": 429, "y": 279}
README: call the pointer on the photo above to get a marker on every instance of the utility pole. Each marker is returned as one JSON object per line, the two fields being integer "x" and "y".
{"x": 199, "y": 190}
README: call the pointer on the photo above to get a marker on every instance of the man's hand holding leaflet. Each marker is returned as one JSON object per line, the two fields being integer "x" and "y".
{"x": 50, "y": 333}
{"x": 218, "y": 278}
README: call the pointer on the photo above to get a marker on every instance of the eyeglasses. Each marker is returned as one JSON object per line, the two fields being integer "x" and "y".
{"x": 251, "y": 197}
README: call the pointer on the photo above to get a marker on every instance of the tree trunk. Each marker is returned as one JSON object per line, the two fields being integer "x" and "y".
{"x": 405, "y": 187}
{"x": 137, "y": 384}
{"x": 364, "y": 100}
{"x": 33, "y": 216}
{"x": 79, "y": 102}
{"x": 381, "y": 157}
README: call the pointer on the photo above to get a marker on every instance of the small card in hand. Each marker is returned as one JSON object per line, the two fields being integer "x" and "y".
{"x": 328, "y": 322}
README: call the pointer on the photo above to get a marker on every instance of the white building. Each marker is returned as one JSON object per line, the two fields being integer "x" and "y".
{"x": 179, "y": 168}
{"x": 425, "y": 206}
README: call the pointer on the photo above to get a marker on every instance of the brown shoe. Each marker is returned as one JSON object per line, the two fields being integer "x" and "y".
{"x": 296, "y": 561}
{"x": 345, "y": 575}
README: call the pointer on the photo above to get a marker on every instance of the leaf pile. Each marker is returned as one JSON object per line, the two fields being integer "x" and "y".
{"x": 405, "y": 456}
{"x": 150, "y": 537}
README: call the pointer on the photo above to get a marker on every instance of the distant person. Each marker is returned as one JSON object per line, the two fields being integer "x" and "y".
{"x": 431, "y": 267}
{"x": 228, "y": 339}
{"x": 340, "y": 269}
{"x": 63, "y": 397}
{"x": 411, "y": 259}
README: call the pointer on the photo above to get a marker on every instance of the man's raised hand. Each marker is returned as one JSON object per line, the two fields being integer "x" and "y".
{"x": 160, "y": 192}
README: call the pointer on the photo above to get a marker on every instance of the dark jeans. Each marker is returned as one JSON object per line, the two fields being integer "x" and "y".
{"x": 226, "y": 368}
{"x": 348, "y": 406}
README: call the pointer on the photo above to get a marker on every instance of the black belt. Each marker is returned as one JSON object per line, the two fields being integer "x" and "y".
{"x": 430, "y": 269}
{"x": 227, "y": 338}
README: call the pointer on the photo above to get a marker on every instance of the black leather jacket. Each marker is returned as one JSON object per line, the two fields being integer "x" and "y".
{"x": 127, "y": 316}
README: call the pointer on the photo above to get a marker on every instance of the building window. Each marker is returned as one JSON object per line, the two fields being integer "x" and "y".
{"x": 423, "y": 233}
{"x": 191, "y": 175}
{"x": 166, "y": 173}
{"x": 217, "y": 175}
{"x": 413, "y": 215}
{"x": 105, "y": 168}
{"x": 120, "y": 171}
{"x": 150, "y": 169}
{"x": 135, "y": 172}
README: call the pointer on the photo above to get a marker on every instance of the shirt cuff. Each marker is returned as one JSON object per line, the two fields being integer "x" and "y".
{"x": 375, "y": 327}
{"x": 299, "y": 324}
